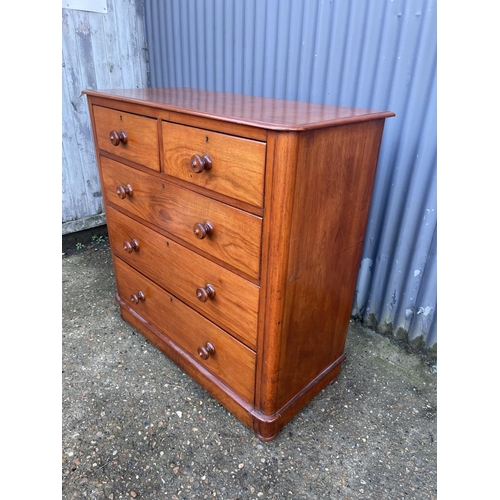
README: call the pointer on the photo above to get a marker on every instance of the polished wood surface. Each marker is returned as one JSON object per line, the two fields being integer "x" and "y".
{"x": 235, "y": 166}
{"x": 320, "y": 291}
{"x": 117, "y": 138}
{"x": 236, "y": 234}
{"x": 203, "y": 293}
{"x": 238, "y": 256}
{"x": 271, "y": 114}
{"x": 231, "y": 361}
{"x": 128, "y": 135}
{"x": 280, "y": 184}
{"x": 182, "y": 272}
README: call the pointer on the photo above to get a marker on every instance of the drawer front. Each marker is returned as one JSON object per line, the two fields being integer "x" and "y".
{"x": 141, "y": 144}
{"x": 236, "y": 235}
{"x": 236, "y": 166}
{"x": 232, "y": 362}
{"x": 226, "y": 298}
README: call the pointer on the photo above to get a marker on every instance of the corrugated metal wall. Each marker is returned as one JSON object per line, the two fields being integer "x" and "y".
{"x": 379, "y": 54}
{"x": 99, "y": 50}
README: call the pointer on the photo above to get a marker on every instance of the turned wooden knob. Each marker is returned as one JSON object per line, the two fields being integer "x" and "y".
{"x": 205, "y": 293}
{"x": 135, "y": 298}
{"x": 204, "y": 352}
{"x": 203, "y": 230}
{"x": 200, "y": 163}
{"x": 123, "y": 191}
{"x": 117, "y": 137}
{"x": 130, "y": 246}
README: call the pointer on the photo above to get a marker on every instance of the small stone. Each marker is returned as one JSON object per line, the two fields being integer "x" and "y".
{"x": 133, "y": 494}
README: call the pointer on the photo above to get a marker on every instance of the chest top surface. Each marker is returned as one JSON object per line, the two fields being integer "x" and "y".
{"x": 264, "y": 112}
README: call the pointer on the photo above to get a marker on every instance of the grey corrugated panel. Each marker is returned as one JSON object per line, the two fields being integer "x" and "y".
{"x": 403, "y": 216}
{"x": 99, "y": 51}
{"x": 379, "y": 54}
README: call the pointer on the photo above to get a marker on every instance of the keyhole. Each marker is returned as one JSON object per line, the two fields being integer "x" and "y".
{"x": 206, "y": 138}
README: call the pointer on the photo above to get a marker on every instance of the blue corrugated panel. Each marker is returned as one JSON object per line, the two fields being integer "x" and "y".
{"x": 379, "y": 54}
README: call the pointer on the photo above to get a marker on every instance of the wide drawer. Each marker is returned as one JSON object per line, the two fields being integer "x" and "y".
{"x": 223, "y": 296}
{"x": 229, "y": 165}
{"x": 139, "y": 142}
{"x": 231, "y": 361}
{"x": 217, "y": 229}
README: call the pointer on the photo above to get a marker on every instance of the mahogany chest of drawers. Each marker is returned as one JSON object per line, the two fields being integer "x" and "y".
{"x": 236, "y": 226}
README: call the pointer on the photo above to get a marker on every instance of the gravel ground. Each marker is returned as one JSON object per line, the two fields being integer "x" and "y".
{"x": 135, "y": 426}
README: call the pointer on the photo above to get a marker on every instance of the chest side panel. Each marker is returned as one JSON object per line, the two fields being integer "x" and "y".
{"x": 332, "y": 195}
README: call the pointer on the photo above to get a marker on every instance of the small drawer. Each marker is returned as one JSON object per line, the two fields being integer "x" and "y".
{"x": 224, "y": 297}
{"x": 129, "y": 136}
{"x": 224, "y": 356}
{"x": 225, "y": 164}
{"x": 216, "y": 229}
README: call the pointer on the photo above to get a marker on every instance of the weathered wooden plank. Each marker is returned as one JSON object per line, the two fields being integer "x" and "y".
{"x": 139, "y": 45}
{"x": 99, "y": 51}
{"x": 83, "y": 223}
{"x": 100, "y": 54}
{"x": 127, "y": 43}
{"x": 77, "y": 46}
{"x": 75, "y": 204}
{"x": 87, "y": 150}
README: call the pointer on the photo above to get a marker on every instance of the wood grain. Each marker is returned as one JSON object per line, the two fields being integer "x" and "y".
{"x": 280, "y": 182}
{"x": 232, "y": 362}
{"x": 237, "y": 234}
{"x": 262, "y": 112}
{"x": 237, "y": 164}
{"x": 180, "y": 271}
{"x": 325, "y": 244}
{"x": 88, "y": 57}
{"x": 142, "y": 143}
{"x": 216, "y": 125}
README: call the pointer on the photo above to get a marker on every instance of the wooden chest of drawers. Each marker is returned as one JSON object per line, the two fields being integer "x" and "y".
{"x": 236, "y": 225}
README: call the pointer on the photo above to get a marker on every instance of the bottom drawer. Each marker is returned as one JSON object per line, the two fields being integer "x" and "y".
{"x": 227, "y": 358}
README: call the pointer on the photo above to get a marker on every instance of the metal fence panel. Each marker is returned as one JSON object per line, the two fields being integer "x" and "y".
{"x": 379, "y": 54}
